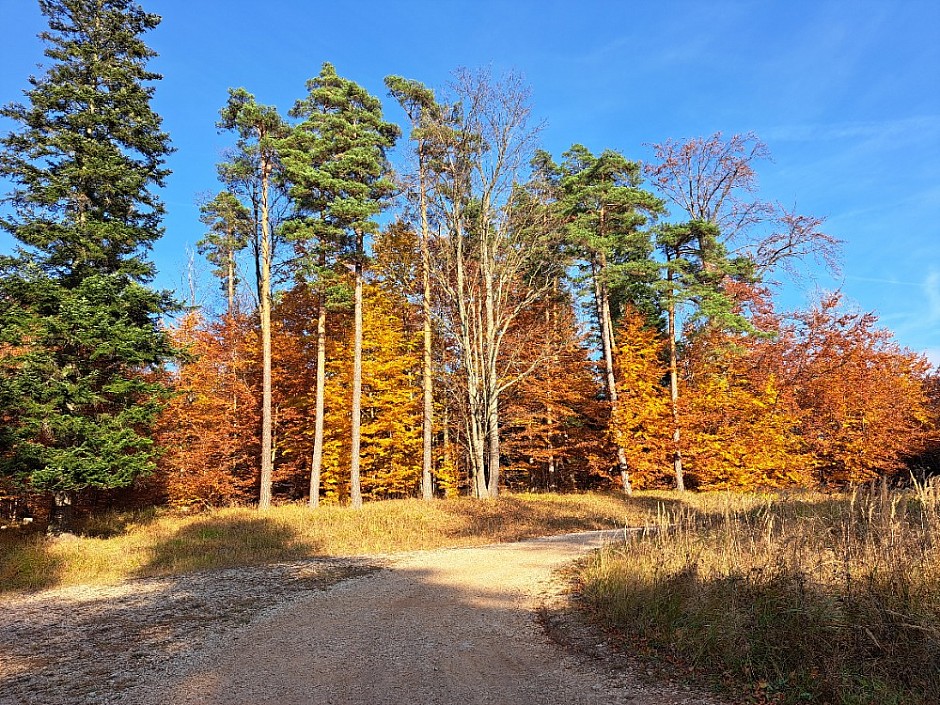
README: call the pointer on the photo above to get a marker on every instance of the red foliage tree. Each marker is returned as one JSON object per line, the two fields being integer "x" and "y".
{"x": 555, "y": 428}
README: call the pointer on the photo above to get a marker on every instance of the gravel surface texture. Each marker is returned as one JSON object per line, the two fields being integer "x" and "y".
{"x": 468, "y": 625}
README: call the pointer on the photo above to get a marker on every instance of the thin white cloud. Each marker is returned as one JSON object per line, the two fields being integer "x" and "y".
{"x": 877, "y": 280}
{"x": 882, "y": 129}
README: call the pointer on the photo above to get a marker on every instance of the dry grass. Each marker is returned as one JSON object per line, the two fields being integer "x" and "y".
{"x": 117, "y": 546}
{"x": 806, "y": 598}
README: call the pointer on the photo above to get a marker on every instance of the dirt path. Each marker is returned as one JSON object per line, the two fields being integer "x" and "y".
{"x": 446, "y": 626}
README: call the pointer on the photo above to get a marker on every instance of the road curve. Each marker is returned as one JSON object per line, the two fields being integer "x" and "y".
{"x": 435, "y": 627}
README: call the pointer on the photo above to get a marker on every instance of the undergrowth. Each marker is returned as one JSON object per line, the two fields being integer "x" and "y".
{"x": 806, "y": 598}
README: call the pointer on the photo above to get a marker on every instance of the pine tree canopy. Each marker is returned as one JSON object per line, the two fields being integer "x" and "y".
{"x": 335, "y": 158}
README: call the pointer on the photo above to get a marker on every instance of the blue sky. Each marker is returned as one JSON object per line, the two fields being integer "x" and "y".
{"x": 846, "y": 95}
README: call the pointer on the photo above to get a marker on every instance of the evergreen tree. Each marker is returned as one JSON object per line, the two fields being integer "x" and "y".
{"x": 230, "y": 227}
{"x": 79, "y": 326}
{"x": 255, "y": 165}
{"x": 423, "y": 112}
{"x": 606, "y": 213}
{"x": 697, "y": 270}
{"x": 335, "y": 161}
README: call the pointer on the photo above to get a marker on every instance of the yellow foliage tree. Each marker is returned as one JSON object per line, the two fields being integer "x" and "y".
{"x": 642, "y": 419}
{"x": 738, "y": 430}
{"x": 391, "y": 413}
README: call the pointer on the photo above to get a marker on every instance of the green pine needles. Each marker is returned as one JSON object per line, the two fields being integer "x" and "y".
{"x": 80, "y": 344}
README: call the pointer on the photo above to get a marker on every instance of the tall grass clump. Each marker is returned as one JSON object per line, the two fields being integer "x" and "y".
{"x": 801, "y": 599}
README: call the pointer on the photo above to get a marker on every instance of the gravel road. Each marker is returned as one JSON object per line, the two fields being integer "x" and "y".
{"x": 433, "y": 627}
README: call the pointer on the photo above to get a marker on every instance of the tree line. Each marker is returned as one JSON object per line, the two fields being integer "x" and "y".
{"x": 489, "y": 316}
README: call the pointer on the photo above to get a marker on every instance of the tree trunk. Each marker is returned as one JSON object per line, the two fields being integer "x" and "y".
{"x": 674, "y": 396}
{"x": 490, "y": 359}
{"x": 61, "y": 514}
{"x": 355, "y": 488}
{"x": 602, "y": 301}
{"x": 477, "y": 441}
{"x": 232, "y": 338}
{"x": 476, "y": 421}
{"x": 230, "y": 275}
{"x": 427, "y": 489}
{"x": 493, "y": 446}
{"x": 317, "y": 461}
{"x": 446, "y": 440}
{"x": 267, "y": 460}
{"x": 314, "y": 482}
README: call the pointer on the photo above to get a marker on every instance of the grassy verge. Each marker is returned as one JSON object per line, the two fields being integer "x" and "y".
{"x": 117, "y": 546}
{"x": 787, "y": 600}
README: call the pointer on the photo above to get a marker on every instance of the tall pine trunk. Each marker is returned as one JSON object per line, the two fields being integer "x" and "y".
{"x": 267, "y": 461}
{"x": 316, "y": 462}
{"x": 355, "y": 487}
{"x": 427, "y": 421}
{"x": 230, "y": 274}
{"x": 602, "y": 303}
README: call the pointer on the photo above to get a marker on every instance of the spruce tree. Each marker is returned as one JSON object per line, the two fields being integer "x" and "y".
{"x": 81, "y": 340}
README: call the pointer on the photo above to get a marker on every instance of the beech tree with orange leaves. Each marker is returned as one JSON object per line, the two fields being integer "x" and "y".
{"x": 555, "y": 419}
{"x": 739, "y": 427}
{"x": 863, "y": 398}
{"x": 642, "y": 420}
{"x": 209, "y": 430}
{"x": 731, "y": 235}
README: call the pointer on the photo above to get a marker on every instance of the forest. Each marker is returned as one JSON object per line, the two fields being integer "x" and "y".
{"x": 485, "y": 316}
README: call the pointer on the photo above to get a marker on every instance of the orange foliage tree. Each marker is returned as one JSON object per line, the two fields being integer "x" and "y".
{"x": 208, "y": 432}
{"x": 642, "y": 419}
{"x": 863, "y": 398}
{"x": 739, "y": 426}
{"x": 554, "y": 433}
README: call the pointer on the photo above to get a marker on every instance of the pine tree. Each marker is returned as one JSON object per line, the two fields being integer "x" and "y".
{"x": 698, "y": 271}
{"x": 423, "y": 111}
{"x": 606, "y": 213}
{"x": 230, "y": 227}
{"x": 338, "y": 170}
{"x": 258, "y": 128}
{"x": 81, "y": 324}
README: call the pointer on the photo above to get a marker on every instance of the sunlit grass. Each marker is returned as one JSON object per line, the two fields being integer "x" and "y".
{"x": 116, "y": 546}
{"x": 806, "y": 598}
